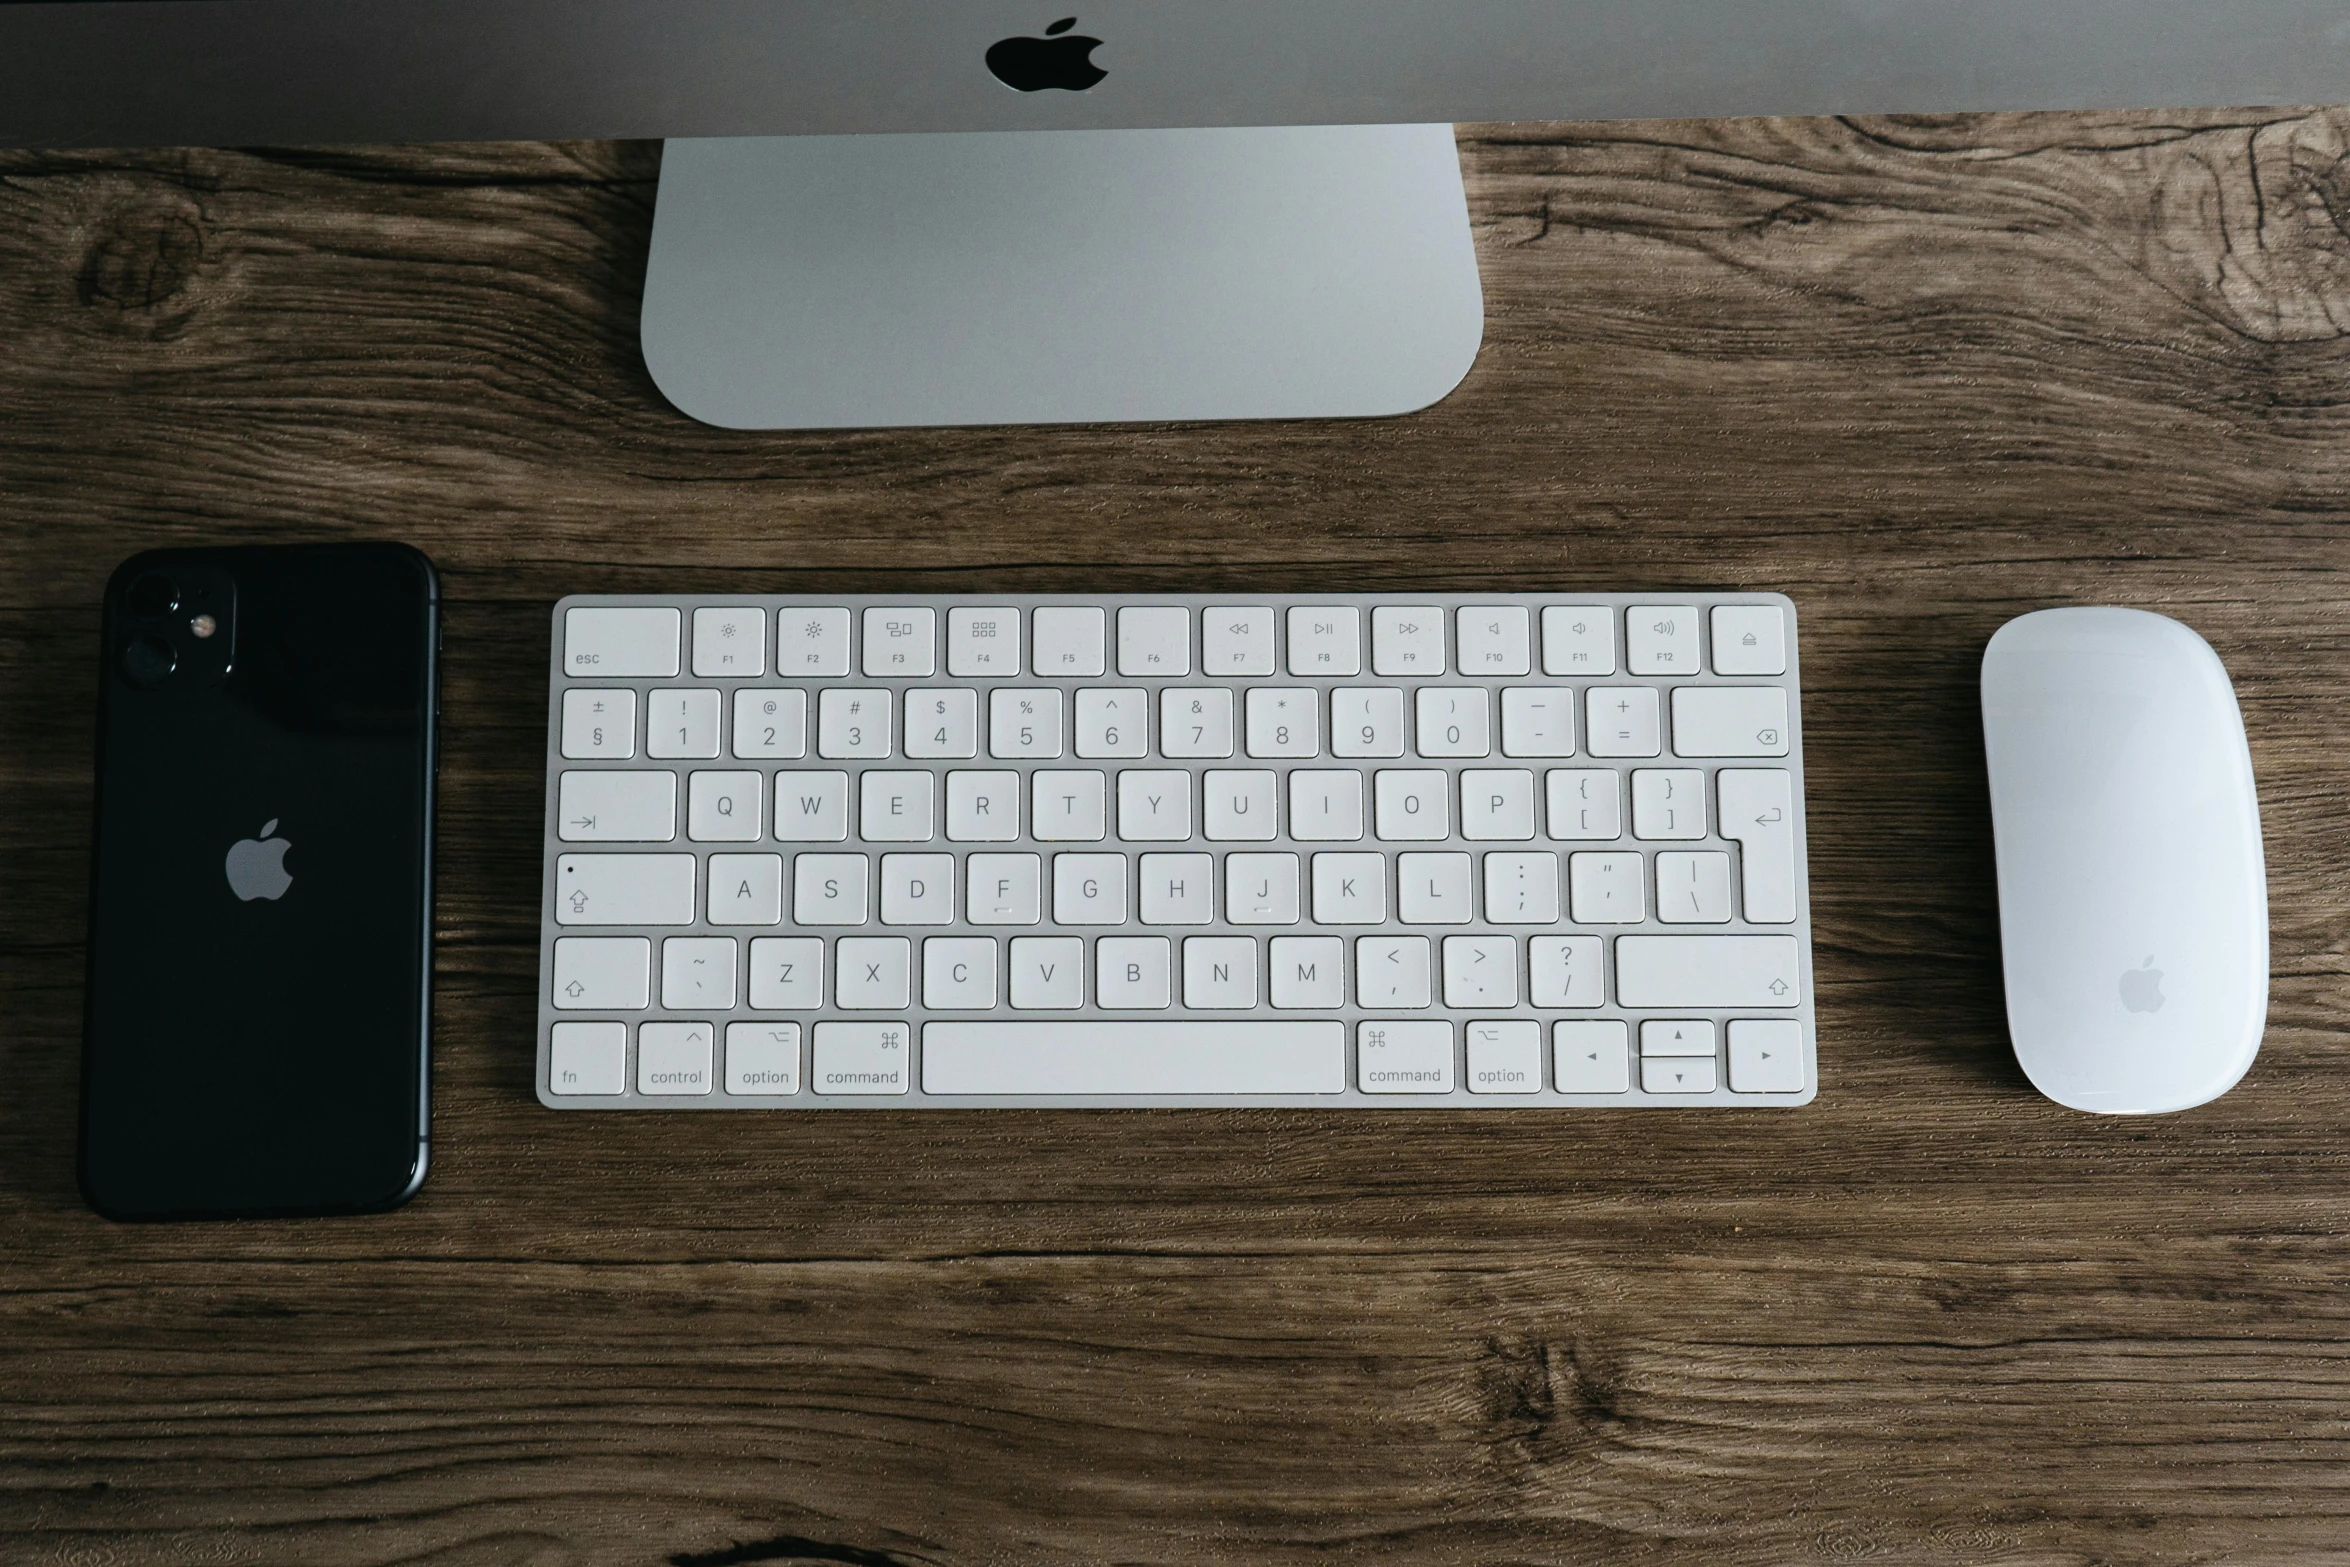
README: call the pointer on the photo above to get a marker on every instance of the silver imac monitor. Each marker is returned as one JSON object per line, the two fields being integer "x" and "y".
{"x": 894, "y": 212}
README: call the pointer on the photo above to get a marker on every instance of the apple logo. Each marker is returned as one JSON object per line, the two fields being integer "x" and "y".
{"x": 1059, "y": 59}
{"x": 257, "y": 866}
{"x": 2142, "y": 988}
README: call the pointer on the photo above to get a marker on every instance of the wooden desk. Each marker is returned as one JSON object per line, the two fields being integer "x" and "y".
{"x": 1921, "y": 375}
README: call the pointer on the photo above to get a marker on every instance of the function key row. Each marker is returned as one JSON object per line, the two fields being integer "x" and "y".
{"x": 1158, "y": 641}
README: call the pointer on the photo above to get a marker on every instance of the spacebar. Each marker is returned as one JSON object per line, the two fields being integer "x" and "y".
{"x": 1296, "y": 1057}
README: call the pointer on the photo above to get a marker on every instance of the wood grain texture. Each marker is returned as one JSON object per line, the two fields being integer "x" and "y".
{"x": 1922, "y": 375}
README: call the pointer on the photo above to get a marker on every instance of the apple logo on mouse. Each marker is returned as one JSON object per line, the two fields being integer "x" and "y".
{"x": 257, "y": 866}
{"x": 1059, "y": 59}
{"x": 2142, "y": 988}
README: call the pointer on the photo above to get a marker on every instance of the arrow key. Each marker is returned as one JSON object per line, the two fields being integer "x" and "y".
{"x": 1679, "y": 1075}
{"x": 1766, "y": 1056}
{"x": 1591, "y": 1057}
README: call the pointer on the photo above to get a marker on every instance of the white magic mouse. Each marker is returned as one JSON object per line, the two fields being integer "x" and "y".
{"x": 2133, "y": 895}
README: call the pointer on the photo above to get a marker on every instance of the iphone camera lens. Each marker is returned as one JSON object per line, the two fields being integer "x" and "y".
{"x": 148, "y": 661}
{"x": 153, "y": 596}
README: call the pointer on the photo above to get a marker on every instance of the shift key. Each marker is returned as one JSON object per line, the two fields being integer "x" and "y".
{"x": 624, "y": 889}
{"x": 1708, "y": 971}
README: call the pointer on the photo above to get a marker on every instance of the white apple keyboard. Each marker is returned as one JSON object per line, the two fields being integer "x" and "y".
{"x": 1256, "y": 849}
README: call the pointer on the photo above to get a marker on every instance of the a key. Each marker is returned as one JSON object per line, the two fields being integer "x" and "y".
{"x": 1306, "y": 972}
{"x": 1325, "y": 639}
{"x": 616, "y": 642}
{"x": 942, "y": 723}
{"x": 624, "y": 889}
{"x": 812, "y": 642}
{"x": 1195, "y": 722}
{"x": 1454, "y": 721}
{"x": 1578, "y": 639}
{"x": 1407, "y": 640}
{"x": 1661, "y": 639}
{"x": 1522, "y": 889}
{"x": 1134, "y": 1056}
{"x": 1585, "y": 805}
{"x": 830, "y": 889}
{"x": 1621, "y": 721}
{"x": 1757, "y": 807}
{"x": 1505, "y": 1056}
{"x": 724, "y": 807}
{"x": 917, "y": 889}
{"x": 1004, "y": 889}
{"x": 1565, "y": 971}
{"x": 1766, "y": 1056}
{"x": 1283, "y": 721}
{"x": 588, "y": 1058}
{"x": 853, "y": 724}
{"x": 1494, "y": 639}
{"x": 762, "y": 1058}
{"x": 746, "y": 889}
{"x": 1325, "y": 805}
{"x": 1067, "y": 640}
{"x": 1068, "y": 807}
{"x": 1113, "y": 723}
{"x": 983, "y": 807}
{"x": 1668, "y": 803}
{"x": 1154, "y": 641}
{"x": 901, "y": 643}
{"x": 1606, "y": 889}
{"x": 1391, "y": 972}
{"x": 787, "y": 973}
{"x": 770, "y": 723}
{"x": 1366, "y": 721}
{"x": 1497, "y": 804}
{"x": 1708, "y": 971}
{"x": 1177, "y": 889}
{"x": 1480, "y": 971}
{"x": 1693, "y": 889}
{"x": 616, "y": 807}
{"x": 1048, "y": 975}
{"x": 1024, "y": 725}
{"x": 1591, "y": 1058}
{"x": 1236, "y": 640}
{"x": 730, "y": 641}
{"x": 1432, "y": 889}
{"x": 1412, "y": 1056}
{"x": 1260, "y": 889}
{"x": 681, "y": 724}
{"x": 599, "y": 725}
{"x": 1350, "y": 889}
{"x": 983, "y": 643}
{"x": 1678, "y": 1075}
{"x": 1677, "y": 1037}
{"x": 697, "y": 973}
{"x": 1749, "y": 639}
{"x": 872, "y": 973}
{"x": 811, "y": 807}
{"x": 959, "y": 973}
{"x": 1412, "y": 804}
{"x": 1089, "y": 889}
{"x": 897, "y": 807}
{"x": 1730, "y": 721}
{"x": 1133, "y": 974}
{"x": 1537, "y": 721}
{"x": 1154, "y": 806}
{"x": 1239, "y": 807}
{"x": 1220, "y": 972}
{"x": 673, "y": 1058}
{"x": 862, "y": 1058}
{"x": 603, "y": 973}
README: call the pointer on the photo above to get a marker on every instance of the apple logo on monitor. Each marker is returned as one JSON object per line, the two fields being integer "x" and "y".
{"x": 1059, "y": 59}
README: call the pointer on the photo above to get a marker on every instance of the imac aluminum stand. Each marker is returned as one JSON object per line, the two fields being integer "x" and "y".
{"x": 1039, "y": 277}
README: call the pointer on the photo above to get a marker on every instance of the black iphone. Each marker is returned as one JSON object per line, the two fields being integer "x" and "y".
{"x": 257, "y": 1036}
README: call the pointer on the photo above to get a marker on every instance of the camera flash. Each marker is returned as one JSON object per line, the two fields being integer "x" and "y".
{"x": 203, "y": 625}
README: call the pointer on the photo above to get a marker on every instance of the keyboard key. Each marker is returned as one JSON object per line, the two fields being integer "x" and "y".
{"x": 1260, "y": 889}
{"x": 1749, "y": 639}
{"x": 1412, "y": 805}
{"x": 1578, "y": 639}
{"x": 862, "y": 1058}
{"x": 1325, "y": 639}
{"x": 831, "y": 889}
{"x": 681, "y": 724}
{"x": 730, "y": 641}
{"x": 1067, "y": 641}
{"x": 1505, "y": 1056}
{"x": 1758, "y": 810}
{"x": 1134, "y": 1057}
{"x": 1154, "y": 641}
{"x": 608, "y": 643}
{"x": 1730, "y": 721}
{"x": 942, "y": 724}
{"x": 1678, "y": 1075}
{"x": 1195, "y": 722}
{"x": 1048, "y": 974}
{"x": 787, "y": 973}
{"x": 1407, "y": 640}
{"x": 1366, "y": 721}
{"x": 959, "y": 973}
{"x": 1283, "y": 722}
{"x": 763, "y": 1058}
{"x": 1307, "y": 972}
{"x": 1606, "y": 889}
{"x": 1068, "y": 807}
{"x": 1497, "y": 805}
{"x": 1495, "y": 640}
{"x": 1177, "y": 889}
{"x": 812, "y": 642}
{"x": 1350, "y": 889}
{"x": 872, "y": 973}
{"x": 983, "y": 807}
{"x": 917, "y": 889}
{"x": 1537, "y": 721}
{"x": 588, "y": 1058}
{"x": 983, "y": 643}
{"x": 1661, "y": 639}
{"x": 624, "y": 889}
{"x": 1621, "y": 721}
{"x": 615, "y": 807}
{"x": 1089, "y": 889}
{"x": 897, "y": 807}
{"x": 853, "y": 725}
{"x": 1410, "y": 1057}
{"x": 1133, "y": 974}
{"x": 1708, "y": 971}
{"x": 1220, "y": 973}
{"x": 1693, "y": 889}
{"x": 673, "y": 1058}
{"x": 1113, "y": 723}
{"x": 1668, "y": 803}
{"x": 1585, "y": 805}
{"x": 697, "y": 973}
{"x": 599, "y": 725}
{"x": 1239, "y": 807}
{"x": 1565, "y": 971}
{"x": 1391, "y": 972}
{"x": 1024, "y": 725}
{"x": 1766, "y": 1056}
{"x": 603, "y": 974}
{"x": 1005, "y": 889}
{"x": 1677, "y": 1037}
{"x": 770, "y": 722}
{"x": 1236, "y": 640}
{"x": 1591, "y": 1058}
{"x": 1432, "y": 889}
{"x": 1454, "y": 721}
{"x": 1522, "y": 889}
{"x": 901, "y": 643}
{"x": 811, "y": 807}
{"x": 1480, "y": 971}
{"x": 1325, "y": 805}
{"x": 725, "y": 807}
{"x": 746, "y": 889}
